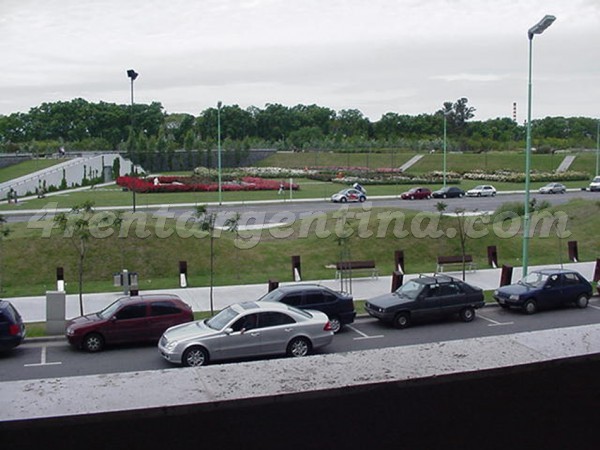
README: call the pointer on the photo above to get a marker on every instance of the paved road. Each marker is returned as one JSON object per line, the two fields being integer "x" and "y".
{"x": 285, "y": 211}
{"x": 53, "y": 359}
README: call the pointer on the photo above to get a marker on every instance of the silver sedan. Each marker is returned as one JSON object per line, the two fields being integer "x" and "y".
{"x": 244, "y": 330}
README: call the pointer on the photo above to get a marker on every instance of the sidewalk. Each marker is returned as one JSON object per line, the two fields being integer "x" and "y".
{"x": 33, "y": 309}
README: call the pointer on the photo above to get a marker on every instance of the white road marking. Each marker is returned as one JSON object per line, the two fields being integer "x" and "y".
{"x": 363, "y": 335}
{"x": 43, "y": 360}
{"x": 494, "y": 323}
{"x": 592, "y": 306}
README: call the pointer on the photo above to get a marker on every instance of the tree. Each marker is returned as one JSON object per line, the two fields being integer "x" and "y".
{"x": 206, "y": 223}
{"x": 78, "y": 226}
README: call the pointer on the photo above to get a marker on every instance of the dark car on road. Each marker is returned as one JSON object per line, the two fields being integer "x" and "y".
{"x": 547, "y": 288}
{"x": 141, "y": 318}
{"x": 417, "y": 193}
{"x": 448, "y": 192}
{"x": 12, "y": 329}
{"x": 427, "y": 297}
{"x": 338, "y": 307}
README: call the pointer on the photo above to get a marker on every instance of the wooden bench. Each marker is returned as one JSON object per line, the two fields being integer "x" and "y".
{"x": 354, "y": 266}
{"x": 453, "y": 260}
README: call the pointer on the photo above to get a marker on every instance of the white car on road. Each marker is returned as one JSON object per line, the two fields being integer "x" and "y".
{"x": 483, "y": 190}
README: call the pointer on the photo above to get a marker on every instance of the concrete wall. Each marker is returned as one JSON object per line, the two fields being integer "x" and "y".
{"x": 519, "y": 391}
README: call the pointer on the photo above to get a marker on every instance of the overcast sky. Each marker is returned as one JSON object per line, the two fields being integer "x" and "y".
{"x": 378, "y": 56}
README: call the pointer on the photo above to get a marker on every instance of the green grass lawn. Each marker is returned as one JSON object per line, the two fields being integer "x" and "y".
{"x": 26, "y": 167}
{"x": 29, "y": 261}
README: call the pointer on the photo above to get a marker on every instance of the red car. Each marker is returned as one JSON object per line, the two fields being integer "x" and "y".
{"x": 417, "y": 193}
{"x": 129, "y": 319}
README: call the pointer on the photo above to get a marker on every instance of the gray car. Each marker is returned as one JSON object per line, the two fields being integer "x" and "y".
{"x": 246, "y": 330}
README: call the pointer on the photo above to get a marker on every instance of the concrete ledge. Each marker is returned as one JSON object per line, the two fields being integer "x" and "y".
{"x": 540, "y": 384}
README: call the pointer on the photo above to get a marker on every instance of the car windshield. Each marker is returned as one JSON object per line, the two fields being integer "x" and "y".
{"x": 219, "y": 321}
{"x": 535, "y": 279}
{"x": 272, "y": 296}
{"x": 410, "y": 290}
{"x": 110, "y": 310}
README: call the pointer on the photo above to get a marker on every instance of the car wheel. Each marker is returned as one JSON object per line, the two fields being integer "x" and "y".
{"x": 335, "y": 324}
{"x": 581, "y": 302}
{"x": 362, "y": 198}
{"x": 444, "y": 196}
{"x": 530, "y": 307}
{"x": 467, "y": 314}
{"x": 93, "y": 342}
{"x": 479, "y": 194}
{"x": 493, "y": 194}
{"x": 343, "y": 200}
{"x": 298, "y": 347}
{"x": 194, "y": 357}
{"x": 401, "y": 320}
{"x": 412, "y": 197}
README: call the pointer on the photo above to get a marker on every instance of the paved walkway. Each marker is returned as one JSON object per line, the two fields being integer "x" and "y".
{"x": 33, "y": 309}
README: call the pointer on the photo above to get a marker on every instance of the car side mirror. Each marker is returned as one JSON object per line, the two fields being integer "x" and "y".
{"x": 228, "y": 331}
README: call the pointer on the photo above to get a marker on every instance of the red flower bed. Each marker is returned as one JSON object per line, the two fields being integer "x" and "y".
{"x": 186, "y": 184}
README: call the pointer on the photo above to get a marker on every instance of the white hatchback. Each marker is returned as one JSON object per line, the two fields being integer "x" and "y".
{"x": 483, "y": 190}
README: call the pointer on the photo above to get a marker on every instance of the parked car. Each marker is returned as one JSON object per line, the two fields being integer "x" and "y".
{"x": 424, "y": 298}
{"x": 553, "y": 188}
{"x": 417, "y": 193}
{"x": 448, "y": 192}
{"x": 484, "y": 190}
{"x": 129, "y": 319}
{"x": 349, "y": 195}
{"x": 595, "y": 184}
{"x": 338, "y": 307}
{"x": 545, "y": 288}
{"x": 247, "y": 330}
{"x": 12, "y": 328}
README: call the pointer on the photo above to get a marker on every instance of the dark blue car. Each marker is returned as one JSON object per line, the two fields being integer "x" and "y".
{"x": 543, "y": 289}
{"x": 12, "y": 329}
{"x": 338, "y": 307}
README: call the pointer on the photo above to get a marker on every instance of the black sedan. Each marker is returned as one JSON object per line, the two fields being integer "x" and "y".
{"x": 546, "y": 288}
{"x": 12, "y": 329}
{"x": 338, "y": 307}
{"x": 448, "y": 192}
{"x": 427, "y": 297}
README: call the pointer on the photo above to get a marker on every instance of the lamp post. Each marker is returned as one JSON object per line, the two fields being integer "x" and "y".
{"x": 598, "y": 149}
{"x": 132, "y": 74}
{"x": 538, "y": 28}
{"x": 219, "y": 149}
{"x": 445, "y": 145}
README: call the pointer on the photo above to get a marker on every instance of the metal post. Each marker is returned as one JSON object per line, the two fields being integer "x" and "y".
{"x": 536, "y": 29}
{"x": 527, "y": 168}
{"x": 598, "y": 150}
{"x": 219, "y": 149}
{"x": 445, "y": 148}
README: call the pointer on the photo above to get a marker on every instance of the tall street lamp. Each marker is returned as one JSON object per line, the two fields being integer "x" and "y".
{"x": 598, "y": 149}
{"x": 132, "y": 74}
{"x": 445, "y": 144}
{"x": 219, "y": 149}
{"x": 538, "y": 28}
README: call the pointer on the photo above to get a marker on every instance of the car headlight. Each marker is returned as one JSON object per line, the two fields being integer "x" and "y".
{"x": 70, "y": 331}
{"x": 496, "y": 293}
{"x": 514, "y": 297}
{"x": 171, "y": 345}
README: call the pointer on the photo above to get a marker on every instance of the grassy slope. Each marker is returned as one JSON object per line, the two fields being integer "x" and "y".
{"x": 26, "y": 167}
{"x": 29, "y": 262}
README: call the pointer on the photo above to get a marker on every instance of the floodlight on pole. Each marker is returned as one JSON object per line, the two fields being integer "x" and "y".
{"x": 132, "y": 74}
{"x": 219, "y": 149}
{"x": 538, "y": 28}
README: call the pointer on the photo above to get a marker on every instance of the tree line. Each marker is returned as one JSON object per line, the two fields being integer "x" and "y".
{"x": 82, "y": 125}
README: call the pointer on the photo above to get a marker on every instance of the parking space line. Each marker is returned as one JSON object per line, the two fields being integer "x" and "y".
{"x": 43, "y": 361}
{"x": 363, "y": 335}
{"x": 593, "y": 306}
{"x": 494, "y": 323}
